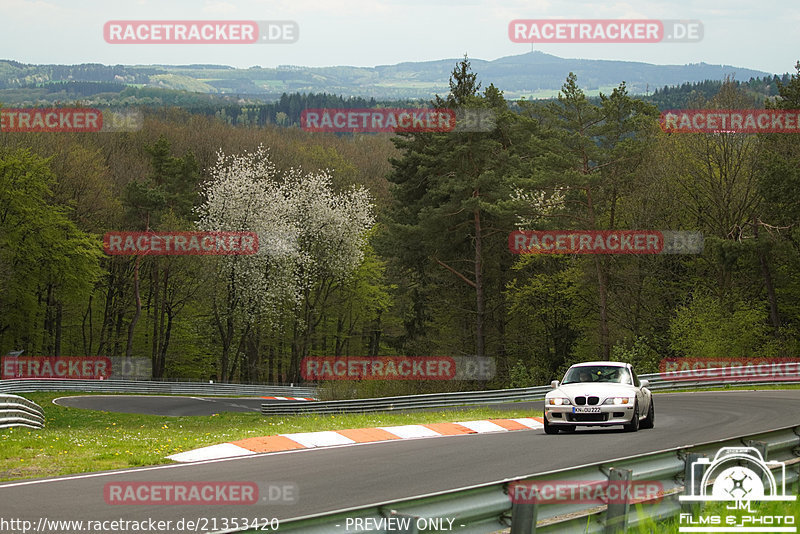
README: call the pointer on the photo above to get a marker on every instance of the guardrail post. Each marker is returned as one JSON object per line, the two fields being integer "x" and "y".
{"x": 617, "y": 512}
{"x": 761, "y": 447}
{"x": 523, "y": 517}
{"x": 693, "y": 484}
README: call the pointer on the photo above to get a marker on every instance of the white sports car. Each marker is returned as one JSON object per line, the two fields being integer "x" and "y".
{"x": 598, "y": 394}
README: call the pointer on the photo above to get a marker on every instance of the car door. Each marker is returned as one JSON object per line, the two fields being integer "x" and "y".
{"x": 641, "y": 396}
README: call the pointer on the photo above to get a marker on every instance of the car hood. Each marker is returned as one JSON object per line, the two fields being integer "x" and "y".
{"x": 600, "y": 389}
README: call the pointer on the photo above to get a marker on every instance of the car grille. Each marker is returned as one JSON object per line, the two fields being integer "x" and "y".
{"x": 580, "y": 401}
{"x": 587, "y": 417}
{"x": 594, "y": 400}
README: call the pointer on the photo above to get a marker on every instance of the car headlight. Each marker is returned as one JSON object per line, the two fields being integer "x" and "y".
{"x": 557, "y": 401}
{"x": 618, "y": 400}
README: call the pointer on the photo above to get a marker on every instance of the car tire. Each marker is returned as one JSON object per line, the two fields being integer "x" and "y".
{"x": 548, "y": 428}
{"x": 633, "y": 426}
{"x": 650, "y": 420}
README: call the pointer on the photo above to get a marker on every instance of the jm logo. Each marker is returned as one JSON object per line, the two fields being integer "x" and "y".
{"x": 737, "y": 474}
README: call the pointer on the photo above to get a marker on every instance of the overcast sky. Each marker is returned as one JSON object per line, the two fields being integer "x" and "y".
{"x": 760, "y": 35}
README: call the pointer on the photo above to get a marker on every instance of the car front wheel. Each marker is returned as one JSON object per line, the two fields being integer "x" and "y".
{"x": 548, "y": 428}
{"x": 633, "y": 426}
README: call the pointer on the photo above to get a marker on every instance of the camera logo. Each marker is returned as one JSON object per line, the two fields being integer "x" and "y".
{"x": 741, "y": 475}
{"x": 738, "y": 474}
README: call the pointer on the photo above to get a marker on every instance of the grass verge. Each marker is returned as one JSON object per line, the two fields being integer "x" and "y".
{"x": 75, "y": 440}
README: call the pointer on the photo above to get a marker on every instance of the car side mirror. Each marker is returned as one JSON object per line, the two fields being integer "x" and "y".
{"x": 645, "y": 383}
{"x": 554, "y": 384}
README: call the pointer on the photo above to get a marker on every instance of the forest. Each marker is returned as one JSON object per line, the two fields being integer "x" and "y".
{"x": 384, "y": 245}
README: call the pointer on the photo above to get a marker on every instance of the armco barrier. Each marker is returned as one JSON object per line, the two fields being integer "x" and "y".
{"x": 488, "y": 508}
{"x": 677, "y": 380}
{"x": 18, "y": 411}
{"x": 152, "y": 387}
{"x": 407, "y": 402}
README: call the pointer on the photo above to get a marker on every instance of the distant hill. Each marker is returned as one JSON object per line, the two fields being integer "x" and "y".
{"x": 531, "y": 75}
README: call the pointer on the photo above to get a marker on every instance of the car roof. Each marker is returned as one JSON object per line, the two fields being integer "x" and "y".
{"x": 610, "y": 364}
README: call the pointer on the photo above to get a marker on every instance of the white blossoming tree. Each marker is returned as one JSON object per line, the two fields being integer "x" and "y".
{"x": 310, "y": 237}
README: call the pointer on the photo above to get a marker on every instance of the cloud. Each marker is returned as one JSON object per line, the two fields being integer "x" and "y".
{"x": 359, "y": 9}
{"x": 28, "y": 9}
{"x": 219, "y": 8}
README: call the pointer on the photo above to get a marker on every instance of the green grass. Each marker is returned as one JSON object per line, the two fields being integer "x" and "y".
{"x": 75, "y": 440}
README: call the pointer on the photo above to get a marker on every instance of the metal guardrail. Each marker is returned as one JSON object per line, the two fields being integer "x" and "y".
{"x": 18, "y": 411}
{"x": 144, "y": 386}
{"x": 488, "y": 507}
{"x": 677, "y": 380}
{"x": 406, "y": 402}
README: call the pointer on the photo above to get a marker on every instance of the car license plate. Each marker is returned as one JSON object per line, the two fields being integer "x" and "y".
{"x": 585, "y": 409}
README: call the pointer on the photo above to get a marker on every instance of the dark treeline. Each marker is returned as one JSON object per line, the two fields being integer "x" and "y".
{"x": 437, "y": 276}
{"x": 684, "y": 95}
{"x": 82, "y": 89}
{"x": 287, "y": 110}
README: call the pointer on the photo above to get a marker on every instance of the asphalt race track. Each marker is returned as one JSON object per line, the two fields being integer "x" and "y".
{"x": 343, "y": 477}
{"x": 164, "y": 405}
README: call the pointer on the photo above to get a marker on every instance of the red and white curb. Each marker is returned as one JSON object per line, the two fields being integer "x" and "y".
{"x": 310, "y": 440}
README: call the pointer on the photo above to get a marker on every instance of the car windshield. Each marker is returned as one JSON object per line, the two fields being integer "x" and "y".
{"x": 597, "y": 373}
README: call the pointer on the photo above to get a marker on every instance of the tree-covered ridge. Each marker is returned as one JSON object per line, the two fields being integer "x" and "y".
{"x": 530, "y": 75}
